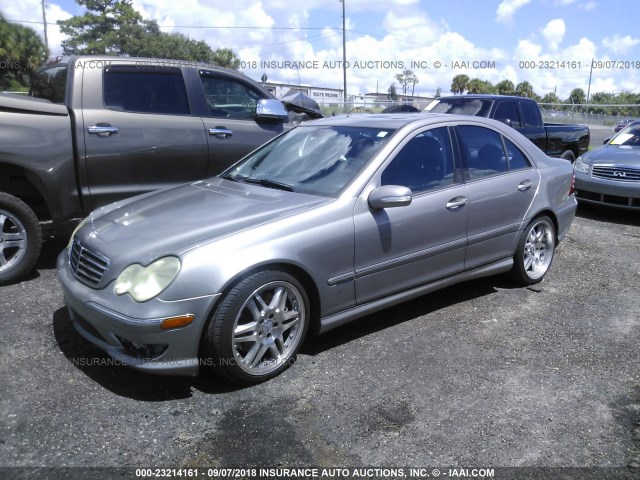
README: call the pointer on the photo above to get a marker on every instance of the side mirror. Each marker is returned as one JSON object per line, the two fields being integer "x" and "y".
{"x": 605, "y": 141}
{"x": 271, "y": 109}
{"x": 390, "y": 196}
{"x": 506, "y": 121}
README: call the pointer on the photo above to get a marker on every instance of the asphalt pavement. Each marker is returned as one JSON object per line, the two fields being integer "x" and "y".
{"x": 479, "y": 375}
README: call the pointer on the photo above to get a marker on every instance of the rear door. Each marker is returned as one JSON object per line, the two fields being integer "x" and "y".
{"x": 502, "y": 185}
{"x": 399, "y": 248}
{"x": 139, "y": 132}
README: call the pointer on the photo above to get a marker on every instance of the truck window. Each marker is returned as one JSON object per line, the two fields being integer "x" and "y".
{"x": 132, "y": 89}
{"x": 461, "y": 106}
{"x": 508, "y": 111}
{"x": 228, "y": 98}
{"x": 50, "y": 84}
{"x": 530, "y": 115}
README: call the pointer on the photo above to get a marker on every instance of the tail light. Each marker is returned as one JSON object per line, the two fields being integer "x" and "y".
{"x": 572, "y": 189}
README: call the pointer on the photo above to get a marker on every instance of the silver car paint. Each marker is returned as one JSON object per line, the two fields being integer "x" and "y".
{"x": 339, "y": 248}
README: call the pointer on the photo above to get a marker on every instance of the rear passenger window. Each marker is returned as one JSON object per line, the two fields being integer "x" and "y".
{"x": 483, "y": 150}
{"x": 423, "y": 164}
{"x": 530, "y": 115}
{"x": 138, "y": 90}
{"x": 517, "y": 160}
{"x": 508, "y": 111}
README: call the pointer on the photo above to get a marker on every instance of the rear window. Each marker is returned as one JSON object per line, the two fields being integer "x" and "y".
{"x": 138, "y": 90}
{"x": 50, "y": 84}
{"x": 461, "y": 106}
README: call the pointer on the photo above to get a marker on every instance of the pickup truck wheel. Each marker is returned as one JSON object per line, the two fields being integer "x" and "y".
{"x": 20, "y": 238}
{"x": 258, "y": 327}
{"x": 568, "y": 155}
{"x": 535, "y": 251}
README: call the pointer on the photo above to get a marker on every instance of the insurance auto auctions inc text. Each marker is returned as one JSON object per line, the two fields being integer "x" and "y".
{"x": 365, "y": 64}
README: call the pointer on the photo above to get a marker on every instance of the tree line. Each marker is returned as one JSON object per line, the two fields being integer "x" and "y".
{"x": 108, "y": 27}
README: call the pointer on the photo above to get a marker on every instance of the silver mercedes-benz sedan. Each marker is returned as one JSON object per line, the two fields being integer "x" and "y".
{"x": 330, "y": 221}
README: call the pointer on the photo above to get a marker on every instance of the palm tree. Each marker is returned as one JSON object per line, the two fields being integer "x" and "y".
{"x": 524, "y": 89}
{"x": 23, "y": 51}
{"x": 459, "y": 84}
{"x": 505, "y": 87}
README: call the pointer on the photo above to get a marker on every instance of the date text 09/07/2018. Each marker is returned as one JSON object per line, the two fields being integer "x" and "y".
{"x": 577, "y": 64}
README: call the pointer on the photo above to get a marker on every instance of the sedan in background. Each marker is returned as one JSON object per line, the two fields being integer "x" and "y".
{"x": 331, "y": 221}
{"x": 610, "y": 174}
{"x": 622, "y": 124}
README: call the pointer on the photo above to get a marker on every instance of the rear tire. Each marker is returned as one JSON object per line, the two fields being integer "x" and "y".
{"x": 20, "y": 238}
{"x": 535, "y": 251}
{"x": 257, "y": 328}
{"x": 568, "y": 155}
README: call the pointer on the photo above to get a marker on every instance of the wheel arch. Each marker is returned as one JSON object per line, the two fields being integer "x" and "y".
{"x": 299, "y": 273}
{"x": 25, "y": 185}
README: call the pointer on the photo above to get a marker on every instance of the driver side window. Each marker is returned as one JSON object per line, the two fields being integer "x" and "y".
{"x": 423, "y": 164}
{"x": 227, "y": 98}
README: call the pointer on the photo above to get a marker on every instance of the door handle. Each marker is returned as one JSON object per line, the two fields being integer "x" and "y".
{"x": 525, "y": 185}
{"x": 456, "y": 203}
{"x": 103, "y": 130}
{"x": 220, "y": 132}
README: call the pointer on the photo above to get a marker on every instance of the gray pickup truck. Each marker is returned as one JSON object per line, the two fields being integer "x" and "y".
{"x": 98, "y": 129}
{"x": 523, "y": 114}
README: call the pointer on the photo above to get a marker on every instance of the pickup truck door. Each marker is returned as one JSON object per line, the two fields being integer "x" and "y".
{"x": 531, "y": 125}
{"x": 230, "y": 121}
{"x": 139, "y": 133}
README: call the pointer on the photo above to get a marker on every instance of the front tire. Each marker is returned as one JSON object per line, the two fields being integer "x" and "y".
{"x": 535, "y": 251}
{"x": 20, "y": 238}
{"x": 258, "y": 327}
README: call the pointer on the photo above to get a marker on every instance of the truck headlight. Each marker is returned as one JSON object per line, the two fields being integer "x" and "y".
{"x": 144, "y": 283}
{"x": 580, "y": 166}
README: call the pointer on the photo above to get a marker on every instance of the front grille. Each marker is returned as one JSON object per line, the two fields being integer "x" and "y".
{"x": 87, "y": 266}
{"x": 619, "y": 173}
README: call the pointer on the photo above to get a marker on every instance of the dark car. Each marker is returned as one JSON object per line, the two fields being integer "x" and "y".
{"x": 621, "y": 124}
{"x": 610, "y": 174}
{"x": 523, "y": 114}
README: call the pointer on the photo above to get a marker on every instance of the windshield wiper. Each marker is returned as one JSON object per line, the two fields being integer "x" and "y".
{"x": 265, "y": 182}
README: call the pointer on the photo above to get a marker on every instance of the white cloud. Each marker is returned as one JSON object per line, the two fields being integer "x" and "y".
{"x": 554, "y": 32}
{"x": 619, "y": 44}
{"x": 31, "y": 11}
{"x": 508, "y": 8}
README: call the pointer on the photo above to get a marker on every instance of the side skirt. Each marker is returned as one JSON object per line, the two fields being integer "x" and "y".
{"x": 341, "y": 318}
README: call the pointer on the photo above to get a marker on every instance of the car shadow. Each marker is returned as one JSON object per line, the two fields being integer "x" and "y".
{"x": 608, "y": 214}
{"x": 125, "y": 381}
{"x": 392, "y": 316}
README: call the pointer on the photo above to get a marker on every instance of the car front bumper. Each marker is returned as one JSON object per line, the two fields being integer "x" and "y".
{"x": 135, "y": 339}
{"x": 607, "y": 192}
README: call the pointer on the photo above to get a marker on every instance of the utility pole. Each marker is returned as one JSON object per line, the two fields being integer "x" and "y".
{"x": 44, "y": 21}
{"x": 344, "y": 52}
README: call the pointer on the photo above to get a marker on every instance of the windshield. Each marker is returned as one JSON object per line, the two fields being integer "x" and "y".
{"x": 318, "y": 160}
{"x": 629, "y": 136}
{"x": 461, "y": 106}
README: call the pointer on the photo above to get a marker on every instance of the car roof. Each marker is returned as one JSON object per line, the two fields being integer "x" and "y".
{"x": 392, "y": 120}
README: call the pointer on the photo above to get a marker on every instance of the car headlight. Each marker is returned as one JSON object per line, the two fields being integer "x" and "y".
{"x": 144, "y": 283}
{"x": 580, "y": 166}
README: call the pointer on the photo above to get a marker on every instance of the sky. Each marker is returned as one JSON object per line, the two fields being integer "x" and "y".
{"x": 555, "y": 45}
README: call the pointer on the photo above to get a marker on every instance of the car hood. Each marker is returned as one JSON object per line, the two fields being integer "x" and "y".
{"x": 170, "y": 222}
{"x": 614, "y": 155}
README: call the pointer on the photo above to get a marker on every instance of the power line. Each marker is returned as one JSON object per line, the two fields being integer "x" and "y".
{"x": 213, "y": 27}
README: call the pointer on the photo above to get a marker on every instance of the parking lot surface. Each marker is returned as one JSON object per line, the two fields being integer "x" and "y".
{"x": 482, "y": 374}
